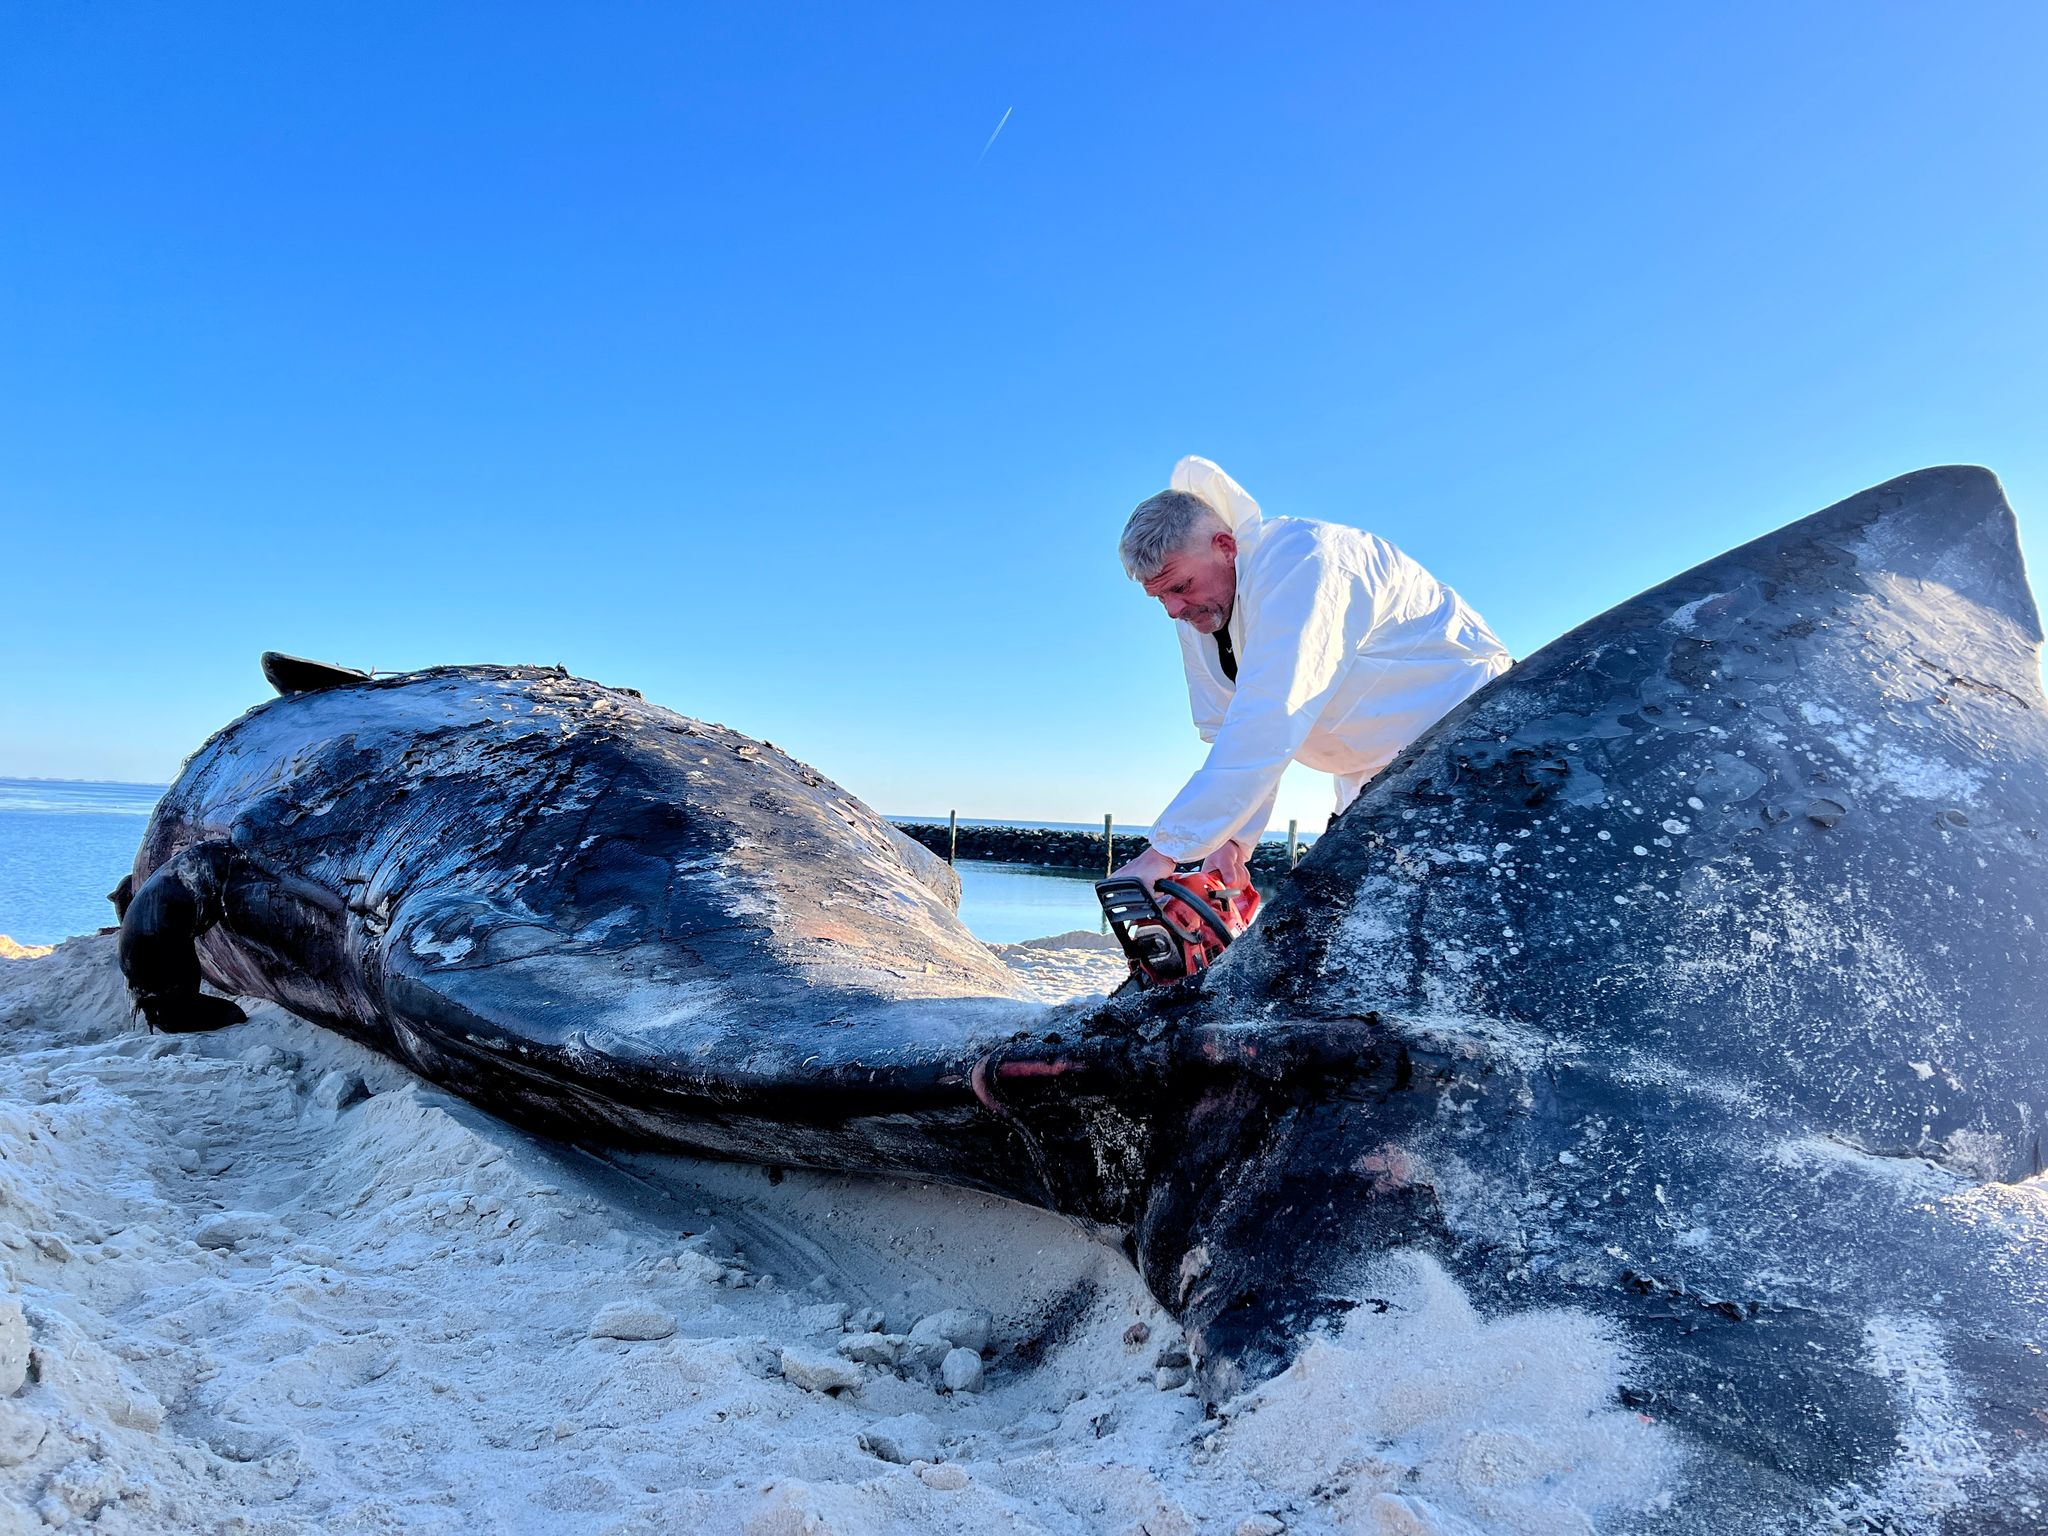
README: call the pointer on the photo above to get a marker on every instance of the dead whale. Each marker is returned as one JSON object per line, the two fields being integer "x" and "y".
{"x": 1693, "y": 970}
{"x": 1681, "y": 976}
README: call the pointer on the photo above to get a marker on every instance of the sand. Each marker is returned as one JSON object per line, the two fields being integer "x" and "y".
{"x": 265, "y": 1281}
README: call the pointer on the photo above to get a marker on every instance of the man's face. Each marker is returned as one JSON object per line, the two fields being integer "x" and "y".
{"x": 1199, "y": 584}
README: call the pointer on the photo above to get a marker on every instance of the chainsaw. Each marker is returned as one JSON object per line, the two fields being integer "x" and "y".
{"x": 1181, "y": 933}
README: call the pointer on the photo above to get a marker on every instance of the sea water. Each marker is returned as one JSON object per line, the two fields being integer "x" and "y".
{"x": 64, "y": 844}
{"x": 1008, "y": 903}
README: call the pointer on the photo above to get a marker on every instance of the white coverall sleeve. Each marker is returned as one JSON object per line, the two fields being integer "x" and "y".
{"x": 1305, "y": 634}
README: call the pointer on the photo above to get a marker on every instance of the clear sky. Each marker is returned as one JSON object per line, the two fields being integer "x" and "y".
{"x": 704, "y": 350}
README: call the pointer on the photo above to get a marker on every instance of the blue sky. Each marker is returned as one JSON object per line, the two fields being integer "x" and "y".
{"x": 703, "y": 351}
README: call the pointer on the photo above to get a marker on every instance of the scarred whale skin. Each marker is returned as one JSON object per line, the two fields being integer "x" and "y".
{"x": 1757, "y": 1076}
{"x": 1695, "y": 969}
{"x": 584, "y": 910}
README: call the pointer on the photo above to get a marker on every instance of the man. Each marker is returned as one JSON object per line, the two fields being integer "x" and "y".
{"x": 1302, "y": 641}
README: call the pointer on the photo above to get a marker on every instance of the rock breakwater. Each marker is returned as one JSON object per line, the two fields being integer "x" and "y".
{"x": 1054, "y": 848}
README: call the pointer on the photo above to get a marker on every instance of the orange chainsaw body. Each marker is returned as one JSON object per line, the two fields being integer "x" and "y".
{"x": 1183, "y": 930}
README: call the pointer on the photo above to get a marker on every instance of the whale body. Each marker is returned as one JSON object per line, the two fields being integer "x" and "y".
{"x": 1686, "y": 975}
{"x": 1696, "y": 966}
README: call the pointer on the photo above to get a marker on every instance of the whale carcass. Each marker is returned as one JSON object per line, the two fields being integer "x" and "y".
{"x": 1688, "y": 975}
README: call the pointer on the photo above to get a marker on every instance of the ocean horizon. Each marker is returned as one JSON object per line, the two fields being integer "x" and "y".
{"x": 65, "y": 843}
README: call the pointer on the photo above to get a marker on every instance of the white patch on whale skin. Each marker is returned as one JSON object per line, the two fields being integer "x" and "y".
{"x": 594, "y": 932}
{"x": 739, "y": 895}
{"x": 1889, "y": 766}
{"x": 1827, "y": 938}
{"x": 1439, "y": 1008}
{"x": 1475, "y": 1037}
{"x": 1912, "y": 1175}
{"x": 1683, "y": 619}
{"x": 1979, "y": 1154}
{"x": 443, "y": 951}
{"x": 1939, "y": 1453}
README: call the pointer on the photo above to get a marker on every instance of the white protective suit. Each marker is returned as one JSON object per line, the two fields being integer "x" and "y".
{"x": 1347, "y": 650}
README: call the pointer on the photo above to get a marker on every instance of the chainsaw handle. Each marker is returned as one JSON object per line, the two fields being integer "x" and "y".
{"x": 1203, "y": 910}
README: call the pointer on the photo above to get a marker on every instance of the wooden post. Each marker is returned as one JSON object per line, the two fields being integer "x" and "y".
{"x": 952, "y": 835}
{"x": 1109, "y": 846}
{"x": 1293, "y": 844}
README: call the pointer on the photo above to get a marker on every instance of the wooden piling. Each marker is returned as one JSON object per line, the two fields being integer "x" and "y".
{"x": 952, "y": 835}
{"x": 1293, "y": 844}
{"x": 1108, "y": 846}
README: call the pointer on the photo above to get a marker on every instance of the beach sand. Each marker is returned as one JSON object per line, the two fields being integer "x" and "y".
{"x": 265, "y": 1281}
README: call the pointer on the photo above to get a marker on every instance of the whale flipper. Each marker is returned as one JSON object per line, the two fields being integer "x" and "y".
{"x": 295, "y": 674}
{"x": 166, "y": 913}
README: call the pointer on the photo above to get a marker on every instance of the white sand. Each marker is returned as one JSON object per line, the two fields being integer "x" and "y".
{"x": 265, "y": 1281}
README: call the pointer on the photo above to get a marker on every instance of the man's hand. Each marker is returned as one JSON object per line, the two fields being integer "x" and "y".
{"x": 1228, "y": 861}
{"x": 1149, "y": 866}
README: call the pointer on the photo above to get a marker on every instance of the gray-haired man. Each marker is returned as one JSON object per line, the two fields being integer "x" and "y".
{"x": 1303, "y": 641}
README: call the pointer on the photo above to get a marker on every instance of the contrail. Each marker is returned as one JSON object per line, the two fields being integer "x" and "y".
{"x": 992, "y": 137}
